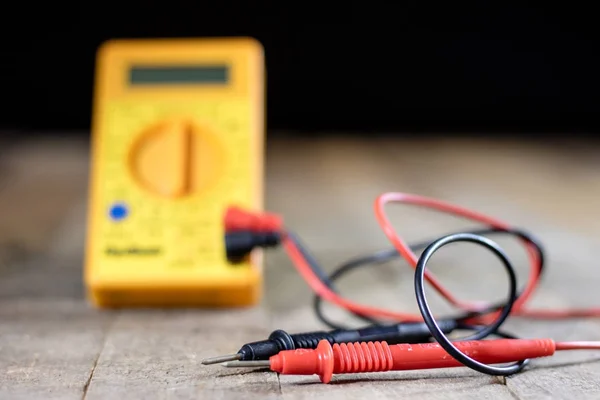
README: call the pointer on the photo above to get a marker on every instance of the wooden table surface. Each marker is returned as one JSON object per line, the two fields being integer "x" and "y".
{"x": 54, "y": 346}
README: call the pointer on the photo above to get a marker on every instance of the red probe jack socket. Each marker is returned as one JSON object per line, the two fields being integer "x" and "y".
{"x": 237, "y": 219}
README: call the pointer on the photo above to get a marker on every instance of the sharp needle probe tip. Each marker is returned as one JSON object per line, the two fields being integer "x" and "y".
{"x": 221, "y": 359}
{"x": 248, "y": 364}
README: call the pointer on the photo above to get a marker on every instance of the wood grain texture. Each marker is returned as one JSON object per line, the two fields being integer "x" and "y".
{"x": 52, "y": 345}
{"x": 48, "y": 348}
{"x": 158, "y": 354}
{"x": 430, "y": 386}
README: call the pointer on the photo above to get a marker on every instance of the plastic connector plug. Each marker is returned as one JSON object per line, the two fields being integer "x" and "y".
{"x": 239, "y": 244}
{"x": 237, "y": 219}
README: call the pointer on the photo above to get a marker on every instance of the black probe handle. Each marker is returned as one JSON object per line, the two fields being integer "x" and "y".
{"x": 279, "y": 340}
{"x": 408, "y": 332}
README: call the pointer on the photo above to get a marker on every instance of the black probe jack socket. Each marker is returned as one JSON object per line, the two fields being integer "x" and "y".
{"x": 238, "y": 245}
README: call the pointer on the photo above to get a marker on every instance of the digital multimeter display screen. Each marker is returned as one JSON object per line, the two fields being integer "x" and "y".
{"x": 165, "y": 75}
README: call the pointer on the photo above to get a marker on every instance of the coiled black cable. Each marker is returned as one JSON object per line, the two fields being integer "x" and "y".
{"x": 383, "y": 256}
{"x": 481, "y": 332}
{"x": 429, "y": 319}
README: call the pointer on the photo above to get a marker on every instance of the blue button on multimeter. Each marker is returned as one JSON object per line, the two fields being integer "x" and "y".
{"x": 118, "y": 212}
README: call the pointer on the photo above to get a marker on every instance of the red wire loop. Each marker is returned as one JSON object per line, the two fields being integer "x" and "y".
{"x": 448, "y": 208}
{"x": 403, "y": 249}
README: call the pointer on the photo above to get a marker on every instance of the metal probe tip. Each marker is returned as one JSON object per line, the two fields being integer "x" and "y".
{"x": 248, "y": 364}
{"x": 220, "y": 359}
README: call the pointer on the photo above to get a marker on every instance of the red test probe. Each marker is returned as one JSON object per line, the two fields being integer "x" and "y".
{"x": 327, "y": 360}
{"x": 247, "y": 230}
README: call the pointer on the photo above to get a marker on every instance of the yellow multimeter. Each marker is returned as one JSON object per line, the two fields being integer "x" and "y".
{"x": 178, "y": 133}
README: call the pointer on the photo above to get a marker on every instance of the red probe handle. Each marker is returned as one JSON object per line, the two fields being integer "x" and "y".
{"x": 326, "y": 360}
{"x": 432, "y": 355}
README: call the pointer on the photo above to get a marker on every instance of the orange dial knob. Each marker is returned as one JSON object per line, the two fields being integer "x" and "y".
{"x": 175, "y": 159}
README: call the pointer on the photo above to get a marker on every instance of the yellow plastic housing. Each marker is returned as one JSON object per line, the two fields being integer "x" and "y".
{"x": 177, "y": 136}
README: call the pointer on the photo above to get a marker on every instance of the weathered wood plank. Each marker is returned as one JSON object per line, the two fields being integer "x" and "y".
{"x": 48, "y": 348}
{"x": 158, "y": 354}
{"x": 49, "y": 337}
{"x": 571, "y": 374}
{"x": 423, "y": 385}
{"x": 39, "y": 182}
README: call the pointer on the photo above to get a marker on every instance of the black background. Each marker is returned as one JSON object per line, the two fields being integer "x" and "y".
{"x": 358, "y": 66}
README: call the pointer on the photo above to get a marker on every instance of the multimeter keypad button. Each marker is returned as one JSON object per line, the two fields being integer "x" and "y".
{"x": 118, "y": 212}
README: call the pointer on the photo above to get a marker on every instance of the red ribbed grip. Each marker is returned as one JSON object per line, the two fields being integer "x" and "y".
{"x": 326, "y": 360}
{"x": 362, "y": 357}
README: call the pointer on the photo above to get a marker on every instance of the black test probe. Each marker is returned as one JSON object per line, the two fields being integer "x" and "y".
{"x": 240, "y": 243}
{"x": 279, "y": 340}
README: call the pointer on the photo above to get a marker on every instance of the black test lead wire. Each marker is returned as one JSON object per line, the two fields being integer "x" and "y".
{"x": 408, "y": 332}
{"x": 419, "y": 263}
{"x": 432, "y": 326}
{"x": 383, "y": 256}
{"x": 280, "y": 340}
{"x": 490, "y": 329}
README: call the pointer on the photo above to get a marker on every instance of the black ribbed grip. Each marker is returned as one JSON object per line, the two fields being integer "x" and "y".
{"x": 311, "y": 340}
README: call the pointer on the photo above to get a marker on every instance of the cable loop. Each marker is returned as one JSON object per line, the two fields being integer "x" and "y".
{"x": 429, "y": 319}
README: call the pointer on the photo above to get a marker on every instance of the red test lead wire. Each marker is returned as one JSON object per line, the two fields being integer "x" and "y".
{"x": 518, "y": 308}
{"x": 452, "y": 209}
{"x": 327, "y": 360}
{"x": 403, "y": 249}
{"x": 238, "y": 219}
